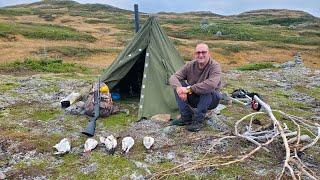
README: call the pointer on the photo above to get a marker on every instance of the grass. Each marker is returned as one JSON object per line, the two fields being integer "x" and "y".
{"x": 95, "y": 21}
{"x": 113, "y": 167}
{"x": 7, "y": 87}
{"x": 43, "y": 65}
{"x": 108, "y": 167}
{"x": 50, "y": 88}
{"x": 242, "y": 32}
{"x": 281, "y": 21}
{"x": 314, "y": 92}
{"x": 45, "y": 114}
{"x": 310, "y": 33}
{"x": 117, "y": 122}
{"x": 44, "y": 31}
{"x": 32, "y": 168}
{"x": 74, "y": 51}
{"x": 127, "y": 27}
{"x": 176, "y": 42}
{"x": 44, "y": 143}
{"x": 255, "y": 66}
{"x": 234, "y": 48}
{"x": 71, "y": 162}
{"x": 231, "y": 172}
{"x": 15, "y": 11}
{"x": 227, "y": 48}
{"x": 178, "y": 21}
{"x": 275, "y": 45}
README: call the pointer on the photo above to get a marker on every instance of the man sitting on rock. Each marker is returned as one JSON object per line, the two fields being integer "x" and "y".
{"x": 196, "y": 85}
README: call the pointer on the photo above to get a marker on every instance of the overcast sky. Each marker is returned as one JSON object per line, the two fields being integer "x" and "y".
{"x": 225, "y": 7}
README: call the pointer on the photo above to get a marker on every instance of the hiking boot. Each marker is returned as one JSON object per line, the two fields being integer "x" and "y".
{"x": 195, "y": 126}
{"x": 180, "y": 122}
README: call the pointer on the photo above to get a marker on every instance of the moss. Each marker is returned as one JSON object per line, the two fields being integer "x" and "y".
{"x": 166, "y": 165}
{"x": 281, "y": 101}
{"x": 226, "y": 112}
{"x": 314, "y": 92}
{"x": 117, "y": 122}
{"x": 45, "y": 143}
{"x": 236, "y": 111}
{"x": 294, "y": 104}
{"x": 45, "y": 114}
{"x": 75, "y": 123}
{"x": 50, "y": 88}
{"x": 291, "y": 125}
{"x": 314, "y": 152}
{"x": 186, "y": 148}
{"x": 108, "y": 167}
{"x": 113, "y": 167}
{"x": 10, "y": 127}
{"x": 3, "y": 113}
{"x": 31, "y": 168}
{"x": 70, "y": 166}
{"x": 234, "y": 171}
{"x": 236, "y": 83}
{"x": 299, "y": 112}
{"x": 138, "y": 151}
{"x": 20, "y": 111}
{"x": 7, "y": 87}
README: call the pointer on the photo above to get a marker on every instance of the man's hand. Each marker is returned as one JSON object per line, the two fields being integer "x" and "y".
{"x": 182, "y": 93}
{"x": 183, "y": 97}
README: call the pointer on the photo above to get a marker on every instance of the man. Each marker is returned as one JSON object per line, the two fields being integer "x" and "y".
{"x": 200, "y": 91}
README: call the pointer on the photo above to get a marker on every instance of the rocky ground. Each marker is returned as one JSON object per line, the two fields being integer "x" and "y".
{"x": 31, "y": 122}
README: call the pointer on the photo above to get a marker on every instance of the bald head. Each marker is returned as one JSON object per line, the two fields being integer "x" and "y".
{"x": 202, "y": 46}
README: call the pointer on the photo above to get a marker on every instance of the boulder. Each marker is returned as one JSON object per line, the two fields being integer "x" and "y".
{"x": 161, "y": 117}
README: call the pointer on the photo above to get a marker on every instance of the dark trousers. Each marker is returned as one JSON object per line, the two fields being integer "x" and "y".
{"x": 201, "y": 103}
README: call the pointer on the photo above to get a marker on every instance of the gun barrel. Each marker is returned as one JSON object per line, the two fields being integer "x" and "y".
{"x": 91, "y": 127}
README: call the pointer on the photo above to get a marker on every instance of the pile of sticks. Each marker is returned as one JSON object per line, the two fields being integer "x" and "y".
{"x": 292, "y": 141}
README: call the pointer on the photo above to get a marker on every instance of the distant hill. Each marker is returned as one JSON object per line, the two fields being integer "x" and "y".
{"x": 278, "y": 13}
{"x": 75, "y": 6}
{"x": 95, "y": 33}
{"x": 71, "y": 6}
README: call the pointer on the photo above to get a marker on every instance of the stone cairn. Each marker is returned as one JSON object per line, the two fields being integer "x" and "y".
{"x": 297, "y": 59}
{"x": 296, "y": 62}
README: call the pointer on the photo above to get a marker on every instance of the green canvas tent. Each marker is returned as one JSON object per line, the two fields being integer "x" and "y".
{"x": 144, "y": 67}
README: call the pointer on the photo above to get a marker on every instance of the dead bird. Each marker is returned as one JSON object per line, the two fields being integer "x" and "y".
{"x": 89, "y": 145}
{"x": 110, "y": 142}
{"x": 127, "y": 144}
{"x": 63, "y": 146}
{"x": 148, "y": 142}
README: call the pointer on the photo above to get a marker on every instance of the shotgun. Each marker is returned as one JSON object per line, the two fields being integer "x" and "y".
{"x": 91, "y": 127}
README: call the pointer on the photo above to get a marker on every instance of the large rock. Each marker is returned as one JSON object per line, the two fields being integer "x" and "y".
{"x": 89, "y": 169}
{"x": 217, "y": 123}
{"x": 161, "y": 117}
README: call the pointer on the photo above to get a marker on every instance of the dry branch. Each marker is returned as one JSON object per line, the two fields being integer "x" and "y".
{"x": 261, "y": 138}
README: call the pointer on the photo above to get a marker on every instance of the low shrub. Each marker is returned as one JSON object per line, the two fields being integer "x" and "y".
{"x": 255, "y": 66}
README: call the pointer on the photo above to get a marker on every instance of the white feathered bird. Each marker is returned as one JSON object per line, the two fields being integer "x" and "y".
{"x": 148, "y": 142}
{"x": 63, "y": 146}
{"x": 127, "y": 144}
{"x": 110, "y": 142}
{"x": 90, "y": 144}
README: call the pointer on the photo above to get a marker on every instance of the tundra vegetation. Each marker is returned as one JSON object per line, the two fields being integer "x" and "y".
{"x": 52, "y": 48}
